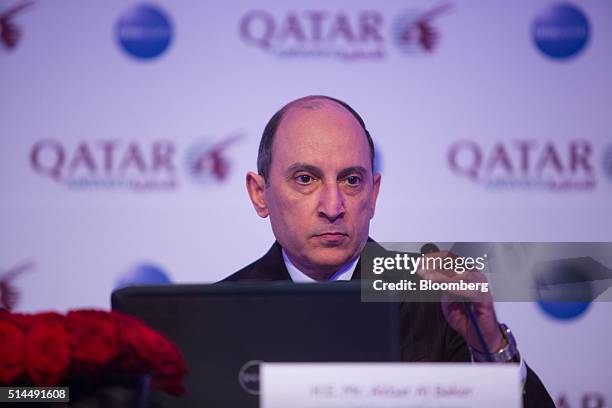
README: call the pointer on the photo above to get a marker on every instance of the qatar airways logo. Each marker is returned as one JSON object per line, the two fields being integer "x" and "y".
{"x": 107, "y": 163}
{"x": 346, "y": 35}
{"x": 10, "y": 32}
{"x": 9, "y": 293}
{"x": 525, "y": 164}
{"x": 128, "y": 165}
{"x": 207, "y": 162}
{"x": 415, "y": 32}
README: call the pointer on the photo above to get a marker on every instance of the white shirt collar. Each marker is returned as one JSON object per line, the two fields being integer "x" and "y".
{"x": 345, "y": 273}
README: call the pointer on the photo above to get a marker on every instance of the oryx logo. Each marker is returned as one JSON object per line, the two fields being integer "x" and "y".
{"x": 414, "y": 32}
{"x": 248, "y": 377}
{"x": 9, "y": 32}
{"x": 208, "y": 161}
{"x": 9, "y": 294}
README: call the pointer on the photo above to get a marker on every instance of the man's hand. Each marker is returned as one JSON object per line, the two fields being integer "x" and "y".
{"x": 455, "y": 304}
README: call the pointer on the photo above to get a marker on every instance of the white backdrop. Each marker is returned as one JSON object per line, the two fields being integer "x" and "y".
{"x": 69, "y": 86}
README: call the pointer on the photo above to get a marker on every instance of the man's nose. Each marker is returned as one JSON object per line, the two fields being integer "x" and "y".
{"x": 331, "y": 202}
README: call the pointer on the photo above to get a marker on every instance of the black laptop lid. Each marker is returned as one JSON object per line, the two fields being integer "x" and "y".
{"x": 224, "y": 330}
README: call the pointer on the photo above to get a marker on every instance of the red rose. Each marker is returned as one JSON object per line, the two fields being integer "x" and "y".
{"x": 23, "y": 321}
{"x": 11, "y": 350}
{"x": 46, "y": 351}
{"x": 93, "y": 337}
{"x": 153, "y": 352}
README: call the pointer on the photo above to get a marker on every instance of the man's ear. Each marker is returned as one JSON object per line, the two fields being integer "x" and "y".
{"x": 256, "y": 185}
{"x": 375, "y": 191}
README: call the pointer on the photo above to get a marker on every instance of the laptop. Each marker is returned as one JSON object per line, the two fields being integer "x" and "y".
{"x": 226, "y": 330}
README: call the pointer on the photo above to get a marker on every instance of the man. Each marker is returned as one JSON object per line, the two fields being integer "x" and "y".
{"x": 317, "y": 184}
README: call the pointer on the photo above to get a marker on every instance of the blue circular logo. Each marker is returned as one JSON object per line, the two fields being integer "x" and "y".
{"x": 607, "y": 162}
{"x": 564, "y": 310}
{"x": 564, "y": 289}
{"x": 144, "y": 31}
{"x": 561, "y": 31}
{"x": 143, "y": 274}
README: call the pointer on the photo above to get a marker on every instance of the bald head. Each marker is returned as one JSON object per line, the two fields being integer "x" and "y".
{"x": 313, "y": 102}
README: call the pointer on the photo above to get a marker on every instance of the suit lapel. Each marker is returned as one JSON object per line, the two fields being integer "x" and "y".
{"x": 373, "y": 246}
{"x": 357, "y": 271}
{"x": 271, "y": 266}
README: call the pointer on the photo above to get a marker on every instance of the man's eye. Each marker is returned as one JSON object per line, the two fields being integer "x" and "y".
{"x": 304, "y": 179}
{"x": 353, "y": 180}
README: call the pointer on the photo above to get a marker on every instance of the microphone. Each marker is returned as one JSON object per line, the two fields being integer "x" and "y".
{"x": 429, "y": 248}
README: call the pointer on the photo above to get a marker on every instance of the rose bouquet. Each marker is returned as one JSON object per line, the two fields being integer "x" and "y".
{"x": 48, "y": 349}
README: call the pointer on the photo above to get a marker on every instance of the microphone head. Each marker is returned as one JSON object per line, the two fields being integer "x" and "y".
{"x": 429, "y": 248}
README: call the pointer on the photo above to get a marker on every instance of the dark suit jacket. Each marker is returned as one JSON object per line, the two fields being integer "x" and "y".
{"x": 425, "y": 334}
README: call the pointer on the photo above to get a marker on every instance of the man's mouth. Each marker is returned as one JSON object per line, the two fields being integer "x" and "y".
{"x": 332, "y": 233}
{"x": 331, "y": 238}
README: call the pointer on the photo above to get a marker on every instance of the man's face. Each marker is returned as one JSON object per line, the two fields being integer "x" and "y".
{"x": 321, "y": 192}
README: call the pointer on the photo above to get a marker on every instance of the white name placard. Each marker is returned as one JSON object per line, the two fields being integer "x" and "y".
{"x": 386, "y": 385}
